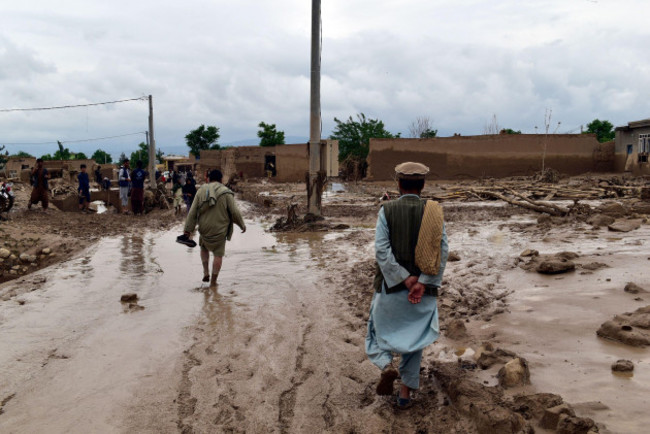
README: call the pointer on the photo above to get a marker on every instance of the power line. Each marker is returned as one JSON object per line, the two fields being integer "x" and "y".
{"x": 142, "y": 98}
{"x": 76, "y": 141}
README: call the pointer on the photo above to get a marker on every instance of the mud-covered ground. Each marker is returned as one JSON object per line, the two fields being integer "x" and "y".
{"x": 278, "y": 346}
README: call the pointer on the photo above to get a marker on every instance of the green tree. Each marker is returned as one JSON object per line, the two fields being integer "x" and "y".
{"x": 102, "y": 157}
{"x": 122, "y": 158}
{"x": 354, "y": 136}
{"x": 79, "y": 156}
{"x": 428, "y": 134}
{"x": 22, "y": 154}
{"x": 202, "y": 139}
{"x": 47, "y": 157}
{"x": 142, "y": 153}
{"x": 61, "y": 154}
{"x": 509, "y": 131}
{"x": 269, "y": 136}
{"x": 604, "y": 130}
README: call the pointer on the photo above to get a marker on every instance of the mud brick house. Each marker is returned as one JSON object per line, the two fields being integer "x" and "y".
{"x": 178, "y": 163}
{"x": 285, "y": 163}
{"x": 633, "y": 147}
{"x": 498, "y": 155}
{"x": 16, "y": 165}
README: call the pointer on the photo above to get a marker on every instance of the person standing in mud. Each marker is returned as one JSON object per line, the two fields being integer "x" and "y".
{"x": 411, "y": 251}
{"x": 39, "y": 179}
{"x": 137, "y": 187}
{"x": 189, "y": 191}
{"x": 84, "y": 189}
{"x": 215, "y": 210}
{"x": 98, "y": 176}
{"x": 124, "y": 181}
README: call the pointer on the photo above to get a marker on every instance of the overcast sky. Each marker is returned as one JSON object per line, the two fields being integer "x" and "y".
{"x": 233, "y": 64}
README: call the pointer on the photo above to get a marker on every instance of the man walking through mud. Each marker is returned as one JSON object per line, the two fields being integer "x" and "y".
{"x": 411, "y": 252}
{"x": 215, "y": 210}
{"x": 39, "y": 179}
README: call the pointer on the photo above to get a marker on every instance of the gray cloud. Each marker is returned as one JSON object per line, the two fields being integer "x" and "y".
{"x": 234, "y": 64}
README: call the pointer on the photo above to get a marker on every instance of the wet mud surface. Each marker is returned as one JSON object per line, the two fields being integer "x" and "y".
{"x": 278, "y": 346}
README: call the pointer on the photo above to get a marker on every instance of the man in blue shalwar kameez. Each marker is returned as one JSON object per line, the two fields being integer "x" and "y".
{"x": 403, "y": 314}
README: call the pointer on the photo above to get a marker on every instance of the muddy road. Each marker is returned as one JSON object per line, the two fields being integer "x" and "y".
{"x": 272, "y": 349}
{"x": 278, "y": 346}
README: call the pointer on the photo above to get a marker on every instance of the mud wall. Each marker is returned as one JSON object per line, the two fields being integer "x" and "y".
{"x": 71, "y": 202}
{"x": 291, "y": 162}
{"x": 491, "y": 155}
{"x": 250, "y": 160}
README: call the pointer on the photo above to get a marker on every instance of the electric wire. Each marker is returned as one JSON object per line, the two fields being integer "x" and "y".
{"x": 142, "y": 98}
{"x": 76, "y": 141}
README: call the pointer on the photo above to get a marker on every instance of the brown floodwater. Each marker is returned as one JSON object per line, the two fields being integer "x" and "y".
{"x": 73, "y": 358}
{"x": 552, "y": 320}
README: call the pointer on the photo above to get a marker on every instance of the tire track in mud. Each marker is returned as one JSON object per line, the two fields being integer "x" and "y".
{"x": 185, "y": 401}
{"x": 288, "y": 397}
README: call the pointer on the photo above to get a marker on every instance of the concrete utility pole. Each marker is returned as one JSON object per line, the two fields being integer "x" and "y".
{"x": 314, "y": 182}
{"x": 152, "y": 147}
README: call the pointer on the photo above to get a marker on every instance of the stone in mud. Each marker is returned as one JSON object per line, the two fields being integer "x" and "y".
{"x": 514, "y": 373}
{"x": 628, "y": 328}
{"x": 641, "y": 208}
{"x": 484, "y": 405}
{"x": 544, "y": 219}
{"x": 625, "y": 225}
{"x": 567, "y": 255}
{"x": 594, "y": 266}
{"x": 25, "y": 257}
{"x": 491, "y": 419}
{"x": 456, "y": 329}
{"x": 552, "y": 415}
{"x": 623, "y": 366}
{"x": 555, "y": 267}
{"x": 491, "y": 358}
{"x": 599, "y": 220}
{"x": 529, "y": 252}
{"x": 129, "y": 297}
{"x": 575, "y": 425}
{"x": 46, "y": 251}
{"x": 453, "y": 257}
{"x": 633, "y": 288}
{"x": 532, "y": 407}
{"x": 4, "y": 253}
{"x": 612, "y": 209}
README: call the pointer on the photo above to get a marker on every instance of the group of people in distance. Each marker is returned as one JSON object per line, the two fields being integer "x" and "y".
{"x": 130, "y": 182}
